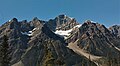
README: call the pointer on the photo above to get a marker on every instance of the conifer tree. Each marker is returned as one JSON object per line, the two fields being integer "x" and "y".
{"x": 4, "y": 52}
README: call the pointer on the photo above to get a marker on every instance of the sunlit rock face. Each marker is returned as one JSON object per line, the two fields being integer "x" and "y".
{"x": 115, "y": 30}
{"x": 61, "y": 41}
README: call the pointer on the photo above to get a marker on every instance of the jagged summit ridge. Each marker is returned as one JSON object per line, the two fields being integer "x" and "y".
{"x": 60, "y": 41}
{"x": 61, "y": 22}
{"x": 115, "y": 29}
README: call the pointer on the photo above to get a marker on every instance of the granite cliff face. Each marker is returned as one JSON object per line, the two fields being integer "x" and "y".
{"x": 60, "y": 42}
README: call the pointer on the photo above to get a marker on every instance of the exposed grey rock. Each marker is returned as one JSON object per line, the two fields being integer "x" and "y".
{"x": 96, "y": 39}
{"x": 34, "y": 43}
{"x": 62, "y": 22}
{"x": 115, "y": 30}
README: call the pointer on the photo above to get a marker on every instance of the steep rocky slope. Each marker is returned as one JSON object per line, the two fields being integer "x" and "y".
{"x": 61, "y": 42}
{"x": 34, "y": 44}
{"x": 115, "y": 29}
{"x": 62, "y": 22}
{"x": 95, "y": 38}
{"x": 49, "y": 49}
{"x": 94, "y": 41}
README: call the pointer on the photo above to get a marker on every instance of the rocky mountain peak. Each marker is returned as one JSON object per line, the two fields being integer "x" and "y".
{"x": 62, "y": 19}
{"x": 88, "y": 20}
{"x": 62, "y": 16}
{"x": 62, "y": 22}
{"x": 36, "y": 22}
{"x": 14, "y": 20}
{"x": 91, "y": 36}
{"x": 14, "y": 24}
{"x": 115, "y": 30}
{"x": 35, "y": 19}
{"x": 61, "y": 41}
{"x": 93, "y": 26}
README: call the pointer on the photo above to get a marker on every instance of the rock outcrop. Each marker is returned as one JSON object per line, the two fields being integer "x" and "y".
{"x": 60, "y": 42}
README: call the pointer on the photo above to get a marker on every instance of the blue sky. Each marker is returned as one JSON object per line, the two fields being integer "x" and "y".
{"x": 102, "y": 11}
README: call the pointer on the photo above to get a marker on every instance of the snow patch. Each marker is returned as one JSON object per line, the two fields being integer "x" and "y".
{"x": 77, "y": 26}
{"x": 66, "y": 33}
{"x": 34, "y": 29}
{"x": 29, "y": 33}
{"x": 71, "y": 18}
{"x": 58, "y": 28}
{"x": 65, "y": 16}
{"x": 93, "y": 22}
{"x": 63, "y": 33}
{"x": 9, "y": 20}
{"x": 90, "y": 21}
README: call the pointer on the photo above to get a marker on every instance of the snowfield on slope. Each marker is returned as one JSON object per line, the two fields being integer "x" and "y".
{"x": 66, "y": 33}
{"x": 63, "y": 33}
{"x": 29, "y": 33}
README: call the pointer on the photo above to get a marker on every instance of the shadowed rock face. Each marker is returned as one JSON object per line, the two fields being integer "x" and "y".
{"x": 96, "y": 39}
{"x": 45, "y": 49}
{"x": 18, "y": 41}
{"x": 34, "y": 43}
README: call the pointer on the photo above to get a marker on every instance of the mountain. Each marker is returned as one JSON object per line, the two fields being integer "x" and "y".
{"x": 95, "y": 38}
{"x": 115, "y": 29}
{"x": 62, "y": 22}
{"x": 61, "y": 42}
{"x": 62, "y": 25}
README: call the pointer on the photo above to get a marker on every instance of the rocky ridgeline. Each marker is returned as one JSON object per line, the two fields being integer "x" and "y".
{"x": 43, "y": 43}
